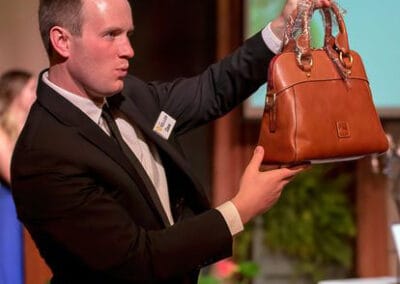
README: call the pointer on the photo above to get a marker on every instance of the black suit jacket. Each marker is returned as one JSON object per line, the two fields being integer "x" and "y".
{"x": 94, "y": 215}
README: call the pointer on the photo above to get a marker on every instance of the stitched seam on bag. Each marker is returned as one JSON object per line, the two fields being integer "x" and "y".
{"x": 302, "y": 82}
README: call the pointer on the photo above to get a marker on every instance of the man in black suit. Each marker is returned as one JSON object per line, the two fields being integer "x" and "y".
{"x": 98, "y": 177}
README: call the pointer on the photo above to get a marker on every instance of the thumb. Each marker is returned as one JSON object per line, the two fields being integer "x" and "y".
{"x": 257, "y": 159}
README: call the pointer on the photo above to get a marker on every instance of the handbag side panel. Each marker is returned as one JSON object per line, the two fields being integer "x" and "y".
{"x": 280, "y": 145}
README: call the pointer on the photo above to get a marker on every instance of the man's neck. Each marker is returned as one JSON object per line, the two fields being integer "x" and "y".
{"x": 58, "y": 75}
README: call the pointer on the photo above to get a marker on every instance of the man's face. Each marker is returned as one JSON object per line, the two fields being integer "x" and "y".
{"x": 98, "y": 59}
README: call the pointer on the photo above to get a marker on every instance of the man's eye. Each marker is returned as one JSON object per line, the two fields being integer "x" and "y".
{"x": 111, "y": 35}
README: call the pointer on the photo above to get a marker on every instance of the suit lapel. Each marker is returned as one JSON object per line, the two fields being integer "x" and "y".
{"x": 135, "y": 114}
{"x": 146, "y": 126}
{"x": 71, "y": 116}
{"x": 133, "y": 167}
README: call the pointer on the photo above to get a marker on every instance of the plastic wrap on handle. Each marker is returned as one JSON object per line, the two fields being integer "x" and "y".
{"x": 298, "y": 36}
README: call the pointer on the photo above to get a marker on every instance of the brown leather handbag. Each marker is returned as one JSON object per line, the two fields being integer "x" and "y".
{"x": 319, "y": 106}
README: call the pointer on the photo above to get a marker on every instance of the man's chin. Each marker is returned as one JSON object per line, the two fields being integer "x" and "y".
{"x": 101, "y": 94}
{"x": 119, "y": 85}
{"x": 115, "y": 90}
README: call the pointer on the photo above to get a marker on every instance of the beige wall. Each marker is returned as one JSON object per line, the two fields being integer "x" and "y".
{"x": 20, "y": 45}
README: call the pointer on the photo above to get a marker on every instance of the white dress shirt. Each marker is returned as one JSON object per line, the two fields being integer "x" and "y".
{"x": 146, "y": 152}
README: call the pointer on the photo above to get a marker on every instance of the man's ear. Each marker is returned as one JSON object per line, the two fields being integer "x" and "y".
{"x": 60, "y": 40}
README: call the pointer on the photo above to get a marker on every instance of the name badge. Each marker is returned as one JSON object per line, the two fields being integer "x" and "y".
{"x": 164, "y": 125}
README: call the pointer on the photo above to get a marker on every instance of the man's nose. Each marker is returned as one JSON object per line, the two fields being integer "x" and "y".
{"x": 126, "y": 49}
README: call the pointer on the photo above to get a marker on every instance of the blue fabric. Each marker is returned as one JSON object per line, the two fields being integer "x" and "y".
{"x": 11, "y": 241}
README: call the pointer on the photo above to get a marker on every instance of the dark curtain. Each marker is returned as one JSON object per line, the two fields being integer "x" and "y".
{"x": 177, "y": 38}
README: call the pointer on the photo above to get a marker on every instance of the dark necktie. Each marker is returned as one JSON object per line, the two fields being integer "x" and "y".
{"x": 141, "y": 173}
{"x": 116, "y": 134}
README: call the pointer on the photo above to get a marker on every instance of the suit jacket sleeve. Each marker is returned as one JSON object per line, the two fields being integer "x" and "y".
{"x": 217, "y": 90}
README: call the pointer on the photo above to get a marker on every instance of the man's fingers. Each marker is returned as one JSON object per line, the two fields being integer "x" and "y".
{"x": 257, "y": 159}
{"x": 292, "y": 171}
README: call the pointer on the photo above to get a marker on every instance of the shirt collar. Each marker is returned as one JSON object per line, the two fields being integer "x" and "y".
{"x": 86, "y": 105}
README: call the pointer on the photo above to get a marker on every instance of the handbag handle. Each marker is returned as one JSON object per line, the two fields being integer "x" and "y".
{"x": 337, "y": 46}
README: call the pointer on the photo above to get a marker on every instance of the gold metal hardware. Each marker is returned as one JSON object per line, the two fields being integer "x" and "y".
{"x": 305, "y": 62}
{"x": 348, "y": 55}
{"x": 270, "y": 100}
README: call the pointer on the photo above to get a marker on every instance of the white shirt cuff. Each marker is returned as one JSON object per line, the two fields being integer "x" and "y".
{"x": 271, "y": 40}
{"x": 232, "y": 217}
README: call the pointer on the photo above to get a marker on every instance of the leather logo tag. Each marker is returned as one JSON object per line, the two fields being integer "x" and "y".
{"x": 343, "y": 129}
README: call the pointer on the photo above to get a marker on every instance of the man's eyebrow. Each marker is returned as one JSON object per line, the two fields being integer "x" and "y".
{"x": 117, "y": 30}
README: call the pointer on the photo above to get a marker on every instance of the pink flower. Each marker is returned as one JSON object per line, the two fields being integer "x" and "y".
{"x": 225, "y": 268}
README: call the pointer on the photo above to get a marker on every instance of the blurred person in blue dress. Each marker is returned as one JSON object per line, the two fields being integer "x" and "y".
{"x": 17, "y": 92}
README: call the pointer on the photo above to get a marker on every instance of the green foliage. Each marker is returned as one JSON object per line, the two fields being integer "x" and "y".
{"x": 207, "y": 279}
{"x": 242, "y": 244}
{"x": 313, "y": 222}
{"x": 248, "y": 269}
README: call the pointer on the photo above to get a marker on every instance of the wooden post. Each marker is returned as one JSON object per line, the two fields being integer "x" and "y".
{"x": 36, "y": 270}
{"x": 227, "y": 146}
{"x": 372, "y": 222}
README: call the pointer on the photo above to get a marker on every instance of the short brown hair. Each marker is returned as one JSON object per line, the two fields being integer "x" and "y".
{"x": 63, "y": 13}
